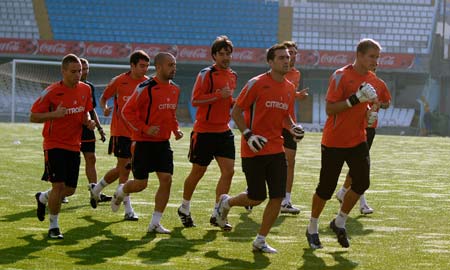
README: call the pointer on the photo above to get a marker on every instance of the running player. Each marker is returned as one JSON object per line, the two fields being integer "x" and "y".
{"x": 63, "y": 108}
{"x": 262, "y": 110}
{"x": 384, "y": 100}
{"x": 150, "y": 112}
{"x": 121, "y": 88}
{"x": 344, "y": 139}
{"x": 211, "y": 137}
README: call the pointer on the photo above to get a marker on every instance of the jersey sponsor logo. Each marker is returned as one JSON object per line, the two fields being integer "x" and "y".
{"x": 167, "y": 106}
{"x": 277, "y": 105}
{"x": 75, "y": 110}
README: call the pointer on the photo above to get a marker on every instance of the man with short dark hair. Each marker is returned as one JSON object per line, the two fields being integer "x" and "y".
{"x": 211, "y": 137}
{"x": 121, "y": 88}
{"x": 262, "y": 110}
{"x": 63, "y": 108}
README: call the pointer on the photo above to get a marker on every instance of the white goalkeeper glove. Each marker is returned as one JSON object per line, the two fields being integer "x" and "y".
{"x": 255, "y": 142}
{"x": 366, "y": 92}
{"x": 371, "y": 118}
{"x": 297, "y": 132}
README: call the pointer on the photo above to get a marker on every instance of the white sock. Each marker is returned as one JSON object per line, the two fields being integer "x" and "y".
{"x": 214, "y": 209}
{"x": 313, "y": 226}
{"x": 53, "y": 221}
{"x": 120, "y": 192}
{"x": 100, "y": 186}
{"x": 362, "y": 200}
{"x": 127, "y": 204}
{"x": 340, "y": 219}
{"x": 287, "y": 198}
{"x": 43, "y": 198}
{"x": 156, "y": 218}
{"x": 343, "y": 190}
{"x": 226, "y": 204}
{"x": 186, "y": 206}
{"x": 260, "y": 238}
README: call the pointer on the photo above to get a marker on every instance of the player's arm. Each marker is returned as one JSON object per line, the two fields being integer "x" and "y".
{"x": 41, "y": 117}
{"x": 109, "y": 91}
{"x": 94, "y": 117}
{"x": 201, "y": 95}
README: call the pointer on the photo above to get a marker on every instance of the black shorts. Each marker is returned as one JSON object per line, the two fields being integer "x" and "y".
{"x": 270, "y": 169}
{"x": 205, "y": 146}
{"x": 357, "y": 159}
{"x": 151, "y": 157}
{"x": 289, "y": 140}
{"x": 62, "y": 166}
{"x": 370, "y": 136}
{"x": 87, "y": 140}
{"x": 120, "y": 146}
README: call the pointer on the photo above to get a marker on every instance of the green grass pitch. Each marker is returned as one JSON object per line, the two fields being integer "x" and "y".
{"x": 410, "y": 228}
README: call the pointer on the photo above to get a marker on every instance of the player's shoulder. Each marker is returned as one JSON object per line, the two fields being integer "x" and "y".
{"x": 174, "y": 84}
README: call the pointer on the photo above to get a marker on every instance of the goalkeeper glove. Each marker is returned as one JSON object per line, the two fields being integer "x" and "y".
{"x": 297, "y": 132}
{"x": 366, "y": 92}
{"x": 255, "y": 142}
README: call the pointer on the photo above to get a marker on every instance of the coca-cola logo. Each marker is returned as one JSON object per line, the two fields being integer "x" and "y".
{"x": 387, "y": 60}
{"x": 152, "y": 51}
{"x": 194, "y": 53}
{"x": 336, "y": 59}
{"x": 100, "y": 50}
{"x": 57, "y": 48}
{"x": 10, "y": 46}
{"x": 245, "y": 55}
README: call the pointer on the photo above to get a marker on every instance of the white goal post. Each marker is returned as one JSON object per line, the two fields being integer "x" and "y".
{"x": 23, "y": 80}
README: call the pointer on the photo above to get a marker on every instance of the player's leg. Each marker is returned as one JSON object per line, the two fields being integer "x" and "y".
{"x": 200, "y": 155}
{"x": 364, "y": 207}
{"x": 358, "y": 161}
{"x": 161, "y": 198}
{"x": 332, "y": 160}
{"x": 113, "y": 174}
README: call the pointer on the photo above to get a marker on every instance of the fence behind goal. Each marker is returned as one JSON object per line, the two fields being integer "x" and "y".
{"x": 22, "y": 81}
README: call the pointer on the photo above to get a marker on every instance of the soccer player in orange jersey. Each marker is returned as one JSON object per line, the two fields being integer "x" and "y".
{"x": 384, "y": 100}
{"x": 121, "y": 88}
{"x": 150, "y": 112}
{"x": 63, "y": 108}
{"x": 211, "y": 137}
{"x": 344, "y": 139}
{"x": 263, "y": 108}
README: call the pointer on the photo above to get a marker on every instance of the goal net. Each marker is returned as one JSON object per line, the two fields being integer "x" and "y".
{"x": 22, "y": 81}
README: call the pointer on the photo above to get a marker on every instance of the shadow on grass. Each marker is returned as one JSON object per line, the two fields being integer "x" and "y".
{"x": 311, "y": 261}
{"x": 11, "y": 255}
{"x": 353, "y": 225}
{"x": 175, "y": 246}
{"x": 31, "y": 213}
{"x": 260, "y": 261}
{"x": 98, "y": 252}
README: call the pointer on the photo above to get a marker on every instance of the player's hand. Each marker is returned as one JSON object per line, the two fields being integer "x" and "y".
{"x": 60, "y": 111}
{"x": 107, "y": 111}
{"x": 90, "y": 124}
{"x": 152, "y": 130}
{"x": 371, "y": 118}
{"x": 302, "y": 94}
{"x": 225, "y": 92}
{"x": 178, "y": 134}
{"x": 297, "y": 132}
{"x": 102, "y": 134}
{"x": 255, "y": 142}
{"x": 365, "y": 93}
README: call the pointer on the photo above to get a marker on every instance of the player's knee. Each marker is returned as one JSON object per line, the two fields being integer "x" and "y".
{"x": 90, "y": 159}
{"x": 325, "y": 193}
{"x": 360, "y": 187}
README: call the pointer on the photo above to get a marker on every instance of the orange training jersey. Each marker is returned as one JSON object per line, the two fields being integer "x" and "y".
{"x": 294, "y": 77}
{"x": 121, "y": 88}
{"x": 152, "y": 104}
{"x": 347, "y": 128}
{"x": 65, "y": 132}
{"x": 384, "y": 96}
{"x": 266, "y": 104}
{"x": 213, "y": 111}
